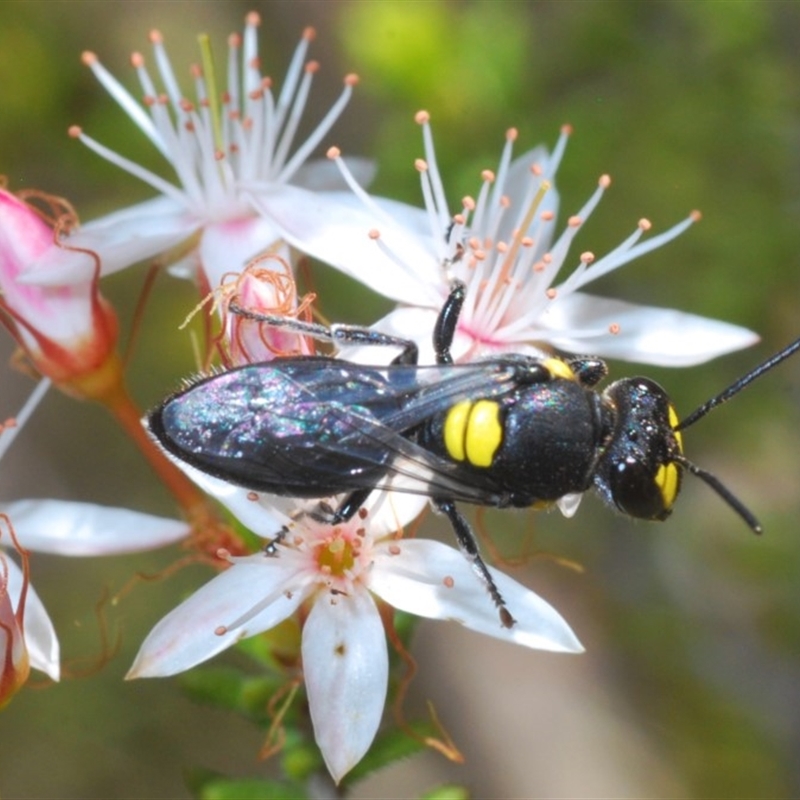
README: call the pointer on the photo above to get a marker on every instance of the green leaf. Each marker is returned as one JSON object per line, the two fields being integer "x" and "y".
{"x": 389, "y": 746}
{"x": 228, "y": 687}
{"x": 196, "y": 778}
{"x": 276, "y": 647}
{"x": 251, "y": 789}
{"x": 206, "y": 784}
{"x": 301, "y": 758}
{"x": 447, "y": 791}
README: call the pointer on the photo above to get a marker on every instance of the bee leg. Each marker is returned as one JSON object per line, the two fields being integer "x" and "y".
{"x": 348, "y": 507}
{"x": 446, "y": 323}
{"x": 270, "y": 547}
{"x": 443, "y": 333}
{"x": 352, "y": 334}
{"x": 338, "y": 334}
{"x": 588, "y": 369}
{"x": 469, "y": 547}
{"x": 312, "y": 329}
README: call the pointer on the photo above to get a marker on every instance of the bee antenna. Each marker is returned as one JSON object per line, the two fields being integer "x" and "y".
{"x": 738, "y": 385}
{"x": 726, "y": 494}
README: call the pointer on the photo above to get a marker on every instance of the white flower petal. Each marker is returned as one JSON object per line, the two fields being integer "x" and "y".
{"x": 579, "y": 323}
{"x": 406, "y": 322}
{"x": 261, "y": 513}
{"x": 125, "y": 237}
{"x": 389, "y": 512}
{"x": 406, "y": 218}
{"x": 430, "y": 579}
{"x": 417, "y": 325}
{"x": 227, "y": 247}
{"x": 206, "y": 623}
{"x": 58, "y": 267}
{"x": 40, "y": 635}
{"x": 70, "y": 528}
{"x": 335, "y": 227}
{"x": 346, "y": 668}
{"x": 322, "y": 174}
{"x": 518, "y": 184}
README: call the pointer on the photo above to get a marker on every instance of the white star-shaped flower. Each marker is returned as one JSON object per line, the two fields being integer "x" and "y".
{"x": 220, "y": 145}
{"x": 335, "y": 573}
{"x": 60, "y": 527}
{"x": 502, "y": 244}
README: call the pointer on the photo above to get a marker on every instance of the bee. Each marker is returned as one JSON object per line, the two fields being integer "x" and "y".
{"x": 510, "y": 431}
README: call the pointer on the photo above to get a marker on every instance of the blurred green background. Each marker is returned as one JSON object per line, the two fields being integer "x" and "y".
{"x": 690, "y": 686}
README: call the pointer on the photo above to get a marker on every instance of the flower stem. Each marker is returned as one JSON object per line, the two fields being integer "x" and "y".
{"x": 210, "y": 532}
{"x": 128, "y": 415}
{"x": 106, "y": 385}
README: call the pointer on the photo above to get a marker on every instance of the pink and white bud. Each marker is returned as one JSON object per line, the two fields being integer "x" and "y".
{"x": 69, "y": 332}
{"x": 14, "y": 661}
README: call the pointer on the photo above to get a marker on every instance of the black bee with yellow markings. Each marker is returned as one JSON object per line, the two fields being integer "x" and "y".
{"x": 510, "y": 431}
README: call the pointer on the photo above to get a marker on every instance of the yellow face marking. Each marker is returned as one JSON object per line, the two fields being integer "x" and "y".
{"x": 455, "y": 426}
{"x": 668, "y": 477}
{"x": 666, "y": 480}
{"x": 559, "y": 369}
{"x": 673, "y": 423}
{"x": 484, "y": 433}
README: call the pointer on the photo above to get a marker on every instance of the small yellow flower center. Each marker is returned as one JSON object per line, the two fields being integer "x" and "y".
{"x": 336, "y": 556}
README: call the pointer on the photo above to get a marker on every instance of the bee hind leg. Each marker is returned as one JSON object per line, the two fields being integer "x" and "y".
{"x": 469, "y": 547}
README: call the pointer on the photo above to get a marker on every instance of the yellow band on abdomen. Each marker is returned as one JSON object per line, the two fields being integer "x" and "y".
{"x": 473, "y": 432}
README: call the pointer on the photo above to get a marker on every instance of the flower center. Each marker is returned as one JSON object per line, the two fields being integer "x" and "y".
{"x": 336, "y": 555}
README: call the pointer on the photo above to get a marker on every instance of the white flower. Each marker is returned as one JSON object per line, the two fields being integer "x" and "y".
{"x": 502, "y": 245}
{"x": 216, "y": 144}
{"x": 65, "y": 528}
{"x": 335, "y": 573}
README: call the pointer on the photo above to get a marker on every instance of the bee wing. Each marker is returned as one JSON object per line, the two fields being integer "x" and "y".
{"x": 435, "y": 390}
{"x": 310, "y": 427}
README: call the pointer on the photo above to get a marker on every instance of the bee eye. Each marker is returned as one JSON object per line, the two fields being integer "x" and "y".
{"x": 644, "y": 490}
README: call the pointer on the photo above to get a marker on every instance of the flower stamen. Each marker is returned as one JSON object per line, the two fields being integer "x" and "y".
{"x": 206, "y": 84}
{"x": 132, "y": 168}
{"x": 224, "y": 141}
{"x": 8, "y": 432}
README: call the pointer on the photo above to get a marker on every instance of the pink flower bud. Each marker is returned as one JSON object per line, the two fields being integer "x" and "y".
{"x": 68, "y": 331}
{"x": 14, "y": 661}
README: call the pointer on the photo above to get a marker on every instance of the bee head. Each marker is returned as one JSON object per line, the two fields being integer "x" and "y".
{"x": 639, "y": 471}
